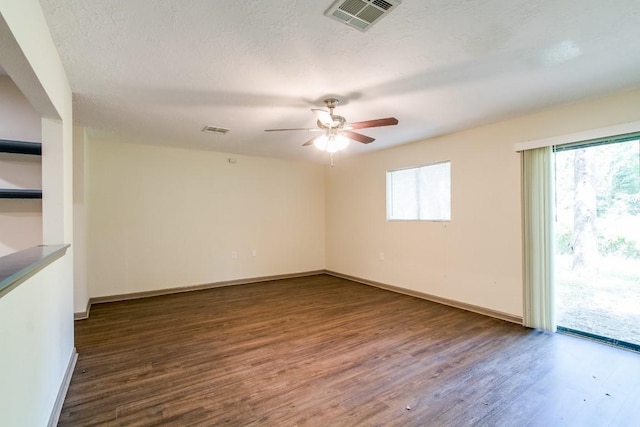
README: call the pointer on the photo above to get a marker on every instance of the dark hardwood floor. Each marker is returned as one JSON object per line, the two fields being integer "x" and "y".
{"x": 323, "y": 351}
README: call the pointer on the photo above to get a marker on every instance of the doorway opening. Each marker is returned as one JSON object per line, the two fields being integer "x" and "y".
{"x": 597, "y": 239}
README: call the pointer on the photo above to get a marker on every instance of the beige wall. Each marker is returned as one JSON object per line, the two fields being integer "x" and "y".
{"x": 20, "y": 220}
{"x": 476, "y": 258}
{"x": 162, "y": 217}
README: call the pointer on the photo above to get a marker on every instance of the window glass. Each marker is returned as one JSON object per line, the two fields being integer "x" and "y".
{"x": 420, "y": 193}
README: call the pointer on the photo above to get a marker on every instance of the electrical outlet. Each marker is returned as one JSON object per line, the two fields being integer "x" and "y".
{"x": 234, "y": 254}
{"x": 254, "y": 252}
{"x": 381, "y": 256}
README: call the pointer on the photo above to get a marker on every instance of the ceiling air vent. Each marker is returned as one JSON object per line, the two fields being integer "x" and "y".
{"x": 360, "y": 14}
{"x": 214, "y": 129}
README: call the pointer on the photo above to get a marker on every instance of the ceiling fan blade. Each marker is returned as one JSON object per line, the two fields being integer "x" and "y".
{"x": 358, "y": 136}
{"x": 309, "y": 142}
{"x": 389, "y": 121}
{"x": 323, "y": 116}
{"x": 307, "y": 129}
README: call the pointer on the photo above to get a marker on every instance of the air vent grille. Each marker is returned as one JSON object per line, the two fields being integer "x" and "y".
{"x": 215, "y": 129}
{"x": 360, "y": 14}
{"x": 352, "y": 6}
{"x": 382, "y": 4}
{"x": 370, "y": 14}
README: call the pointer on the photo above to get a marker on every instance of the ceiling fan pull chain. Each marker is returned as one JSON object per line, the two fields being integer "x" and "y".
{"x": 331, "y": 159}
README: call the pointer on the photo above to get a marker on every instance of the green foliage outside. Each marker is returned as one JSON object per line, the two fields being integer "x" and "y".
{"x": 617, "y": 188}
{"x": 604, "y": 300}
{"x": 618, "y": 246}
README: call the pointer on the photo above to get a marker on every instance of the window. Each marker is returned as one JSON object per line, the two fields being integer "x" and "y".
{"x": 420, "y": 193}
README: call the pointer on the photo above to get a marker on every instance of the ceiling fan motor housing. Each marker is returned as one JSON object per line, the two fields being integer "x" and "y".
{"x": 338, "y": 122}
{"x": 331, "y": 103}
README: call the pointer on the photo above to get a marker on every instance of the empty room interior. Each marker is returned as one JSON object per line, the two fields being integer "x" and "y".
{"x": 317, "y": 213}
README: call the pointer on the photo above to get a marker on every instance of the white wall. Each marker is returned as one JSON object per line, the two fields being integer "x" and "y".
{"x": 476, "y": 258}
{"x": 80, "y": 292}
{"x": 18, "y": 119}
{"x": 20, "y": 220}
{"x": 37, "y": 316}
{"x": 161, "y": 217}
{"x": 36, "y": 346}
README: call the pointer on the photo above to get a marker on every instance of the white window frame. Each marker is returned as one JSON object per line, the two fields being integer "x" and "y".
{"x": 419, "y": 196}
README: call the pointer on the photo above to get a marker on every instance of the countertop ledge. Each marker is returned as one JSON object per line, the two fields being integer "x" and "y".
{"x": 17, "y": 267}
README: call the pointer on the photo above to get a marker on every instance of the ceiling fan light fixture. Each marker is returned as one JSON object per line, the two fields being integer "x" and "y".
{"x": 321, "y": 142}
{"x": 331, "y": 143}
{"x": 341, "y": 142}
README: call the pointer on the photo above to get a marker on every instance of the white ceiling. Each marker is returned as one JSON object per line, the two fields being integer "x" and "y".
{"x": 157, "y": 71}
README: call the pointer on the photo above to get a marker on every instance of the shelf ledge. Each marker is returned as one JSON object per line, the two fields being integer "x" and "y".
{"x": 20, "y": 147}
{"x": 17, "y": 267}
{"x": 20, "y": 193}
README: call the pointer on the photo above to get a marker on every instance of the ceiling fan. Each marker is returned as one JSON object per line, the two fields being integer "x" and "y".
{"x": 336, "y": 132}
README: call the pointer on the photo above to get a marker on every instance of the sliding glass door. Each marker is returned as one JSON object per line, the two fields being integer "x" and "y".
{"x": 597, "y": 239}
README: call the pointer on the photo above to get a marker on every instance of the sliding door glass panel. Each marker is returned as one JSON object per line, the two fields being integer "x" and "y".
{"x": 597, "y": 237}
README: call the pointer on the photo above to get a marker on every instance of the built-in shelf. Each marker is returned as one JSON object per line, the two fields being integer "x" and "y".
{"x": 20, "y": 147}
{"x": 20, "y": 193}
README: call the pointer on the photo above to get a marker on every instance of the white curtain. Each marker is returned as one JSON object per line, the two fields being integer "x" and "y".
{"x": 539, "y": 308}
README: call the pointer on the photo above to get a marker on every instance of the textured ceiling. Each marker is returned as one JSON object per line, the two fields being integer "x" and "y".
{"x": 156, "y": 72}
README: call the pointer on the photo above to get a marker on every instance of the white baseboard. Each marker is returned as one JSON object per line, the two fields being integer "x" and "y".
{"x": 452, "y": 303}
{"x": 168, "y": 291}
{"x": 62, "y": 393}
{"x": 81, "y": 315}
{"x": 457, "y": 304}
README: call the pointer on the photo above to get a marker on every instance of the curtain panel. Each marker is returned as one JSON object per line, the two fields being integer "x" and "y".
{"x": 539, "y": 307}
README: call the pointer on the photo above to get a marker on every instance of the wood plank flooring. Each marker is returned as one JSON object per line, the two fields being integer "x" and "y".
{"x": 323, "y": 351}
